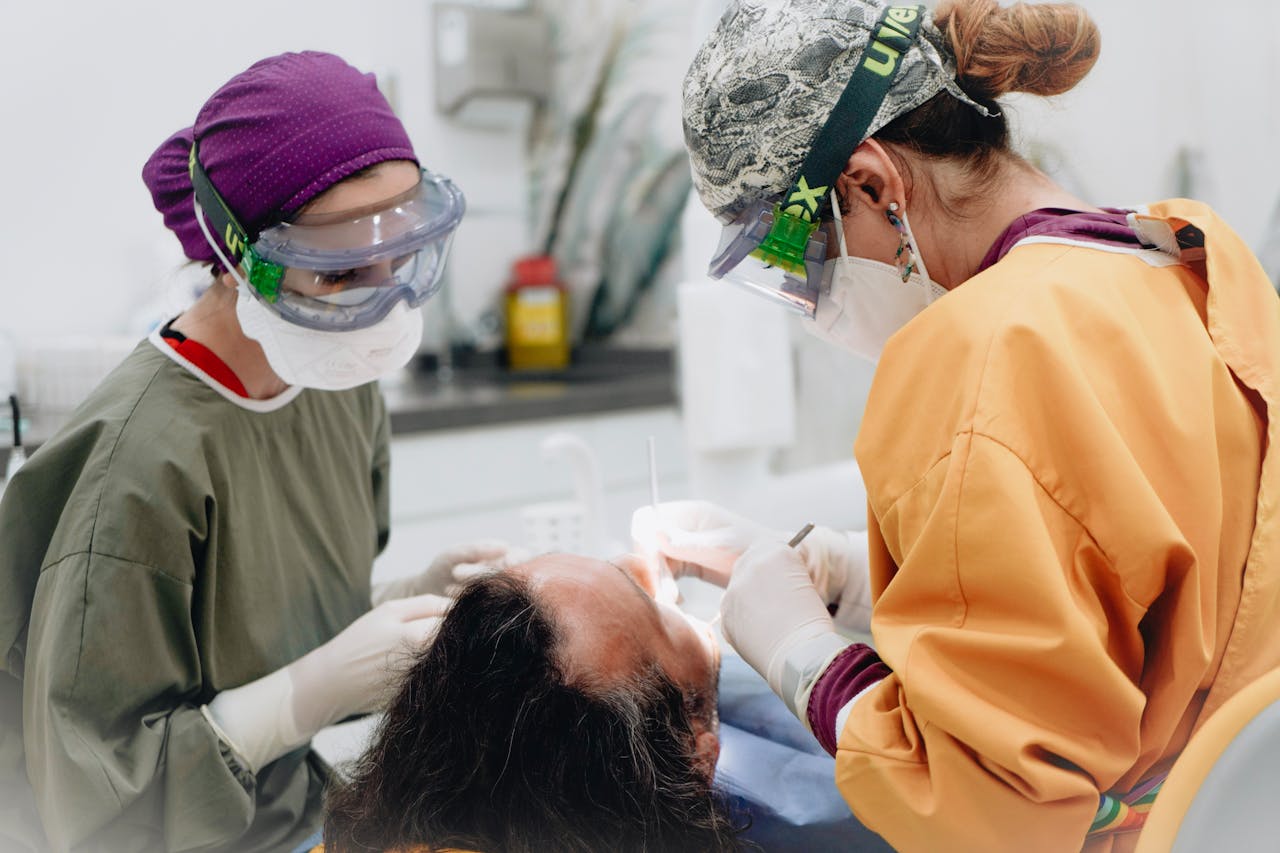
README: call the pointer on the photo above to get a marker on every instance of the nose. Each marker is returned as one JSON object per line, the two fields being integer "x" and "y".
{"x": 380, "y": 274}
{"x": 706, "y": 635}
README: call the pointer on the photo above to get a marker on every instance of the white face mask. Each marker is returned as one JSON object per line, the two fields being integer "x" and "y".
{"x": 330, "y": 361}
{"x": 325, "y": 361}
{"x": 868, "y": 301}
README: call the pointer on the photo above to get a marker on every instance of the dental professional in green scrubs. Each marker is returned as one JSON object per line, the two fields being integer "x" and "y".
{"x": 185, "y": 594}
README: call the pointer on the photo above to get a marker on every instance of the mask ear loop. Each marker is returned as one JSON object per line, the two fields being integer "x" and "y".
{"x": 835, "y": 212}
{"x": 915, "y": 248}
{"x": 213, "y": 244}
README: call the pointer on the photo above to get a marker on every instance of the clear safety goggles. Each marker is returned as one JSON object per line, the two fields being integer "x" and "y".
{"x": 775, "y": 254}
{"x": 344, "y": 270}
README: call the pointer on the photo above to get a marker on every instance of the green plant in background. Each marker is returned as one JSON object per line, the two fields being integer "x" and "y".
{"x": 607, "y": 189}
{"x": 562, "y": 121}
{"x": 642, "y": 234}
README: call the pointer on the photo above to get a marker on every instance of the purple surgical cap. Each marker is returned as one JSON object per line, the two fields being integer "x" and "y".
{"x": 272, "y": 139}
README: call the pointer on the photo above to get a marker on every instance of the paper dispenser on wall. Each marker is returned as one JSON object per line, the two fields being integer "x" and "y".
{"x": 488, "y": 60}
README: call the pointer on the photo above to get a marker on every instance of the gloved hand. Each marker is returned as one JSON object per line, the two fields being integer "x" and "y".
{"x": 697, "y": 538}
{"x": 776, "y": 619}
{"x": 356, "y": 672}
{"x": 700, "y": 539}
{"x": 838, "y": 563}
{"x": 450, "y": 569}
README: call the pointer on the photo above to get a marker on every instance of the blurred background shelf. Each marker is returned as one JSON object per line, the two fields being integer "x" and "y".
{"x": 477, "y": 389}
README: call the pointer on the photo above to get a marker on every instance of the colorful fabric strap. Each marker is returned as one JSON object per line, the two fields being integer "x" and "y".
{"x": 1117, "y": 814}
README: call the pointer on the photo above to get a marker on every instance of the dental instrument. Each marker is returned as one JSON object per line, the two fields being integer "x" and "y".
{"x": 799, "y": 537}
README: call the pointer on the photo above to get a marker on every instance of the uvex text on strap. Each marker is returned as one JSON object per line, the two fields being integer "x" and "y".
{"x": 847, "y": 126}
{"x": 783, "y": 237}
{"x": 263, "y": 277}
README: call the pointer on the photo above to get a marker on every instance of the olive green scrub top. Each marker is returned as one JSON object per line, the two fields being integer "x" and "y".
{"x": 173, "y": 541}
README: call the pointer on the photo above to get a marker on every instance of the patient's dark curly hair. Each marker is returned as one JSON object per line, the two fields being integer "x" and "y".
{"x": 487, "y": 747}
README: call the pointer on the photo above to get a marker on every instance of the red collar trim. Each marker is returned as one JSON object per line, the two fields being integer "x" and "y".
{"x": 205, "y": 359}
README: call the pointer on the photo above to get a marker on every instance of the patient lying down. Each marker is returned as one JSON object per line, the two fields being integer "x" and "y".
{"x": 560, "y": 708}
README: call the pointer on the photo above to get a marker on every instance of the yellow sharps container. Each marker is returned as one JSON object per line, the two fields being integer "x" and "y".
{"x": 537, "y": 320}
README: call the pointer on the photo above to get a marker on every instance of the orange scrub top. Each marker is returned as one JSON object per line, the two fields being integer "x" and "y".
{"x": 1073, "y": 534}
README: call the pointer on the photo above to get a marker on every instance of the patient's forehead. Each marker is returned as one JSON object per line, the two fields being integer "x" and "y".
{"x": 601, "y": 616}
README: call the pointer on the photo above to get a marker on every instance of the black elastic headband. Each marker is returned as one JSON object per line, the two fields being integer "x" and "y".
{"x": 233, "y": 234}
{"x": 893, "y": 35}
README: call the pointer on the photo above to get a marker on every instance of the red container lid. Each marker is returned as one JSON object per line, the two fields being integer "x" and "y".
{"x": 534, "y": 270}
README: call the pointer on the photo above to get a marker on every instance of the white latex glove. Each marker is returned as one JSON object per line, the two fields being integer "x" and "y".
{"x": 838, "y": 563}
{"x": 697, "y": 538}
{"x": 356, "y": 672}
{"x": 450, "y": 569}
{"x": 703, "y": 540}
{"x": 775, "y": 618}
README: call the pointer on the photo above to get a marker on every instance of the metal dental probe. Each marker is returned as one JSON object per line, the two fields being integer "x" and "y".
{"x": 795, "y": 540}
{"x": 799, "y": 537}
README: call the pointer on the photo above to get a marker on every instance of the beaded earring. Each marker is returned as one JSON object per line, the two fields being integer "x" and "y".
{"x": 905, "y": 259}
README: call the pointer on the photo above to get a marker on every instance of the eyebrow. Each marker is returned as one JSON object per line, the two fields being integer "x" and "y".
{"x": 652, "y": 603}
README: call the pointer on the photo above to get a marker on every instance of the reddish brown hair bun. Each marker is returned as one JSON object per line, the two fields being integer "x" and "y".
{"x": 1038, "y": 48}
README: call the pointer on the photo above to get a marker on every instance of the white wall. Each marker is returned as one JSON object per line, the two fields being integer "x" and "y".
{"x": 1174, "y": 74}
{"x": 88, "y": 90}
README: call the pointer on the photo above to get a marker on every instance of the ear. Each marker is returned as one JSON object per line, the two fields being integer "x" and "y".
{"x": 871, "y": 178}
{"x": 227, "y": 280}
{"x": 706, "y": 751}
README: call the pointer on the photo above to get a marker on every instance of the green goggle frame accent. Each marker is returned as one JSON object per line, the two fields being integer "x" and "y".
{"x": 264, "y": 276}
{"x": 784, "y": 246}
{"x": 798, "y": 216}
